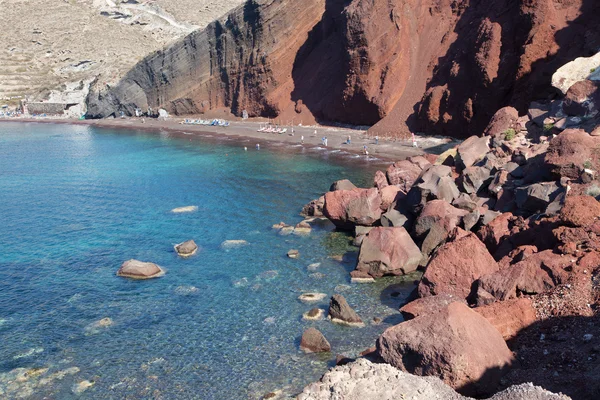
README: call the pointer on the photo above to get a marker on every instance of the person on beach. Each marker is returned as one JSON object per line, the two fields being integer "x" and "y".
{"x": 377, "y": 139}
{"x": 257, "y": 146}
{"x": 365, "y": 152}
{"x": 414, "y": 141}
{"x": 315, "y": 133}
{"x": 348, "y": 140}
{"x": 325, "y": 141}
{"x": 302, "y": 139}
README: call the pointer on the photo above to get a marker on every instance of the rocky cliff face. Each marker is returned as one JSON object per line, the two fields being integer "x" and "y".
{"x": 435, "y": 66}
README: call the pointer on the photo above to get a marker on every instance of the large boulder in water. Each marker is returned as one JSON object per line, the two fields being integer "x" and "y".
{"x": 313, "y": 341}
{"x": 456, "y": 344}
{"x": 140, "y": 270}
{"x": 348, "y": 208}
{"x": 456, "y": 265}
{"x": 388, "y": 251}
{"x": 340, "y": 312}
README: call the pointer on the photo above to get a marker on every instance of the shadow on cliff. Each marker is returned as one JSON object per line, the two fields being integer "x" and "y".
{"x": 469, "y": 89}
{"x": 320, "y": 70}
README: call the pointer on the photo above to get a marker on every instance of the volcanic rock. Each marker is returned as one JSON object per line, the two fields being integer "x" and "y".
{"x": 509, "y": 317}
{"x": 504, "y": 119}
{"x": 569, "y": 151}
{"x": 472, "y": 178}
{"x": 389, "y": 195}
{"x": 472, "y": 150}
{"x": 347, "y": 208}
{"x": 580, "y": 210}
{"x": 456, "y": 265}
{"x": 343, "y": 184}
{"x": 313, "y": 341}
{"x": 455, "y": 344}
{"x": 186, "y": 249}
{"x": 495, "y": 231}
{"x": 538, "y": 196}
{"x": 340, "y": 312}
{"x": 438, "y": 212}
{"x": 393, "y": 218}
{"x": 583, "y": 99}
{"x": 388, "y": 251}
{"x": 380, "y": 180}
{"x": 314, "y": 208}
{"x": 428, "y": 305}
{"x": 314, "y": 314}
{"x": 403, "y": 174}
{"x": 575, "y": 71}
{"x": 311, "y": 297}
{"x": 140, "y": 270}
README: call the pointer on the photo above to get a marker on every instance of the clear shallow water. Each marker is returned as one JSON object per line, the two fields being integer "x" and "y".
{"x": 76, "y": 201}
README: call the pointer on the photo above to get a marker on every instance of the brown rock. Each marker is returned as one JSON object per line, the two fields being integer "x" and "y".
{"x": 537, "y": 273}
{"x": 438, "y": 212}
{"x": 343, "y": 184}
{"x": 580, "y": 210}
{"x": 428, "y": 305}
{"x": 510, "y": 316}
{"x": 456, "y": 265}
{"x": 314, "y": 208}
{"x": 340, "y": 312}
{"x": 494, "y": 232}
{"x": 504, "y": 119}
{"x": 380, "y": 180}
{"x": 313, "y": 341}
{"x": 456, "y": 344}
{"x": 186, "y": 249}
{"x": 403, "y": 174}
{"x": 569, "y": 151}
{"x": 389, "y": 195}
{"x": 388, "y": 251}
{"x": 140, "y": 270}
{"x": 582, "y": 99}
{"x": 472, "y": 150}
{"x": 347, "y": 208}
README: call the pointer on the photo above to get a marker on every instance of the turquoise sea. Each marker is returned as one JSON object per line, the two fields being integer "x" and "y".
{"x": 77, "y": 201}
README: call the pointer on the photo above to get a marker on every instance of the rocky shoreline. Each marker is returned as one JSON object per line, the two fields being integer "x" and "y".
{"x": 505, "y": 229}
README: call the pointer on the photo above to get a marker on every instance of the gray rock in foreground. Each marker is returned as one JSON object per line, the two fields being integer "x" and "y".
{"x": 363, "y": 380}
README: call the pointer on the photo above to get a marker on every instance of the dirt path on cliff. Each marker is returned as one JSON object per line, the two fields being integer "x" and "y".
{"x": 384, "y": 150}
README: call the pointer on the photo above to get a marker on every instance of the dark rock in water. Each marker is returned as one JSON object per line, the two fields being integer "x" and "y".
{"x": 348, "y": 208}
{"x": 456, "y": 265}
{"x": 140, "y": 270}
{"x": 313, "y": 341}
{"x": 388, "y": 251}
{"x": 343, "y": 184}
{"x": 341, "y": 312}
{"x": 314, "y": 314}
{"x": 455, "y": 344}
{"x": 186, "y": 249}
{"x": 314, "y": 208}
{"x": 472, "y": 150}
{"x": 537, "y": 197}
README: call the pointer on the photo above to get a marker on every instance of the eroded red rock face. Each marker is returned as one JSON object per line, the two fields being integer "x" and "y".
{"x": 403, "y": 64}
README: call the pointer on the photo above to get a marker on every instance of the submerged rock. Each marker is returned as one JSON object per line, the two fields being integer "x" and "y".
{"x": 233, "y": 243}
{"x": 311, "y": 297}
{"x": 186, "y": 249}
{"x": 184, "y": 209}
{"x": 140, "y": 270}
{"x": 314, "y": 314}
{"x": 81, "y": 387}
{"x": 293, "y": 253}
{"x": 313, "y": 341}
{"x": 95, "y": 327}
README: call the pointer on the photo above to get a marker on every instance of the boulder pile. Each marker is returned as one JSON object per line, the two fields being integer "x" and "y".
{"x": 505, "y": 228}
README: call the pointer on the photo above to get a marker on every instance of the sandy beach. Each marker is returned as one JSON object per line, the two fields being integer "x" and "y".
{"x": 386, "y": 150}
